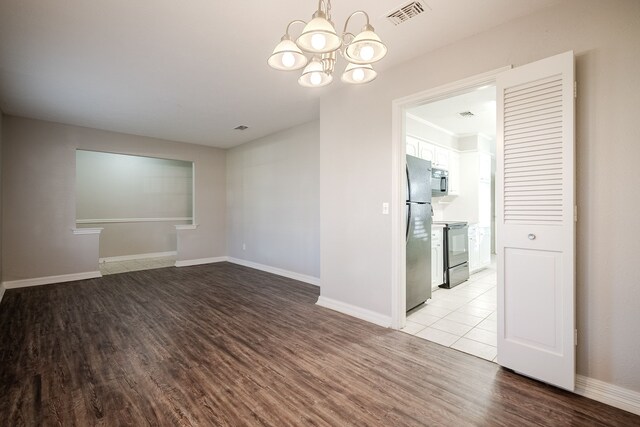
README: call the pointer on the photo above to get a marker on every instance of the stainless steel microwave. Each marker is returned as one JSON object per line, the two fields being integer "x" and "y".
{"x": 439, "y": 182}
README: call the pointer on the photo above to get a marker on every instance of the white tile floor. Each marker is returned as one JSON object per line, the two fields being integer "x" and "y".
{"x": 463, "y": 318}
{"x": 135, "y": 265}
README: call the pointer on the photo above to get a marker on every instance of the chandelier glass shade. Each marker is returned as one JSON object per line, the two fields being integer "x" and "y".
{"x": 365, "y": 48}
{"x": 314, "y": 75}
{"x": 358, "y": 73}
{"x": 319, "y": 35}
{"x": 287, "y": 56}
{"x": 316, "y": 47}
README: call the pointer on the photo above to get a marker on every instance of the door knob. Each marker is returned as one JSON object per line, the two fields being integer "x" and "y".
{"x": 532, "y": 236}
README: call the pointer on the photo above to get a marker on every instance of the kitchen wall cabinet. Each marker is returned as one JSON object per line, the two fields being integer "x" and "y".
{"x": 454, "y": 173}
{"x": 427, "y": 151}
{"x": 440, "y": 157}
{"x": 472, "y": 183}
{"x": 412, "y": 147}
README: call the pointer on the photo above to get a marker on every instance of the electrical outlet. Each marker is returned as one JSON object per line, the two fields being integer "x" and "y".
{"x": 385, "y": 208}
{"x": 244, "y": 247}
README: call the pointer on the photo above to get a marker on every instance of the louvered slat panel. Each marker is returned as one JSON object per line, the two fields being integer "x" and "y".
{"x": 536, "y": 193}
{"x": 515, "y": 90}
{"x": 533, "y": 112}
{"x": 528, "y": 124}
{"x": 530, "y": 104}
{"x": 531, "y": 116}
{"x": 533, "y": 153}
{"x": 541, "y": 163}
{"x": 533, "y": 132}
{"x": 517, "y": 148}
{"x": 550, "y": 88}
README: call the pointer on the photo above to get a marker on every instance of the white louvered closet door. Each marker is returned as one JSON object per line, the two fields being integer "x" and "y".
{"x": 535, "y": 219}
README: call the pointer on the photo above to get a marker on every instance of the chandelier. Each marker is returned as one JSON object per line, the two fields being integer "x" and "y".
{"x": 316, "y": 47}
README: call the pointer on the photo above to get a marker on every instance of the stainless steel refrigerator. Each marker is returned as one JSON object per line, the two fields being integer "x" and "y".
{"x": 419, "y": 213}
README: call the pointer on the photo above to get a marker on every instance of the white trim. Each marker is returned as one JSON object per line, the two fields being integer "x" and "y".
{"x": 138, "y": 256}
{"x": 277, "y": 271}
{"x": 354, "y": 311}
{"x": 119, "y": 220}
{"x": 398, "y": 151}
{"x": 38, "y": 281}
{"x": 186, "y": 226}
{"x": 200, "y": 261}
{"x": 2, "y": 289}
{"x": 81, "y": 231}
{"x": 609, "y": 394}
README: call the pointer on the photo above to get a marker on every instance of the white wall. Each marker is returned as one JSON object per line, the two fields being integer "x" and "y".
{"x": 38, "y": 196}
{"x": 273, "y": 200}
{"x": 417, "y": 128}
{"x": 356, "y": 162}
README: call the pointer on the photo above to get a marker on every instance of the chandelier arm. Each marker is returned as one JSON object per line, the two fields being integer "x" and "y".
{"x": 344, "y": 31}
{"x": 295, "y": 21}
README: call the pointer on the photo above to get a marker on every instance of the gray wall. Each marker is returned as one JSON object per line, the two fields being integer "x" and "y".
{"x": 116, "y": 187}
{"x": 273, "y": 200}
{"x": 39, "y": 196}
{"x": 356, "y": 124}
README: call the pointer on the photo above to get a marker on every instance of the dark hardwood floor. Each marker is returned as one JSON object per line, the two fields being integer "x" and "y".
{"x": 222, "y": 344}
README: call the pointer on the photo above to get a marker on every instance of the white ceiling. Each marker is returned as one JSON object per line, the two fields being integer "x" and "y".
{"x": 192, "y": 71}
{"x": 445, "y": 113}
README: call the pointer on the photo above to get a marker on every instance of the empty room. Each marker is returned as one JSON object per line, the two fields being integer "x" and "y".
{"x": 332, "y": 213}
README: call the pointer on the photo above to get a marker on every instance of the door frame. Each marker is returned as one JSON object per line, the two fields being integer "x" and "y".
{"x": 398, "y": 179}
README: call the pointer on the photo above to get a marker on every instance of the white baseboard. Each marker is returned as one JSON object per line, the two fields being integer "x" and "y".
{"x": 38, "y": 281}
{"x": 609, "y": 394}
{"x": 277, "y": 271}
{"x": 1, "y": 291}
{"x": 354, "y": 311}
{"x": 200, "y": 261}
{"x": 137, "y": 256}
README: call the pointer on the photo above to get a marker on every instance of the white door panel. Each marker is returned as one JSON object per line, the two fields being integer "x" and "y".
{"x": 535, "y": 224}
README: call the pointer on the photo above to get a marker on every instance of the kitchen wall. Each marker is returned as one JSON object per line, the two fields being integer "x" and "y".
{"x": 356, "y": 162}
{"x": 119, "y": 187}
{"x": 417, "y": 128}
{"x": 39, "y": 196}
{"x": 273, "y": 200}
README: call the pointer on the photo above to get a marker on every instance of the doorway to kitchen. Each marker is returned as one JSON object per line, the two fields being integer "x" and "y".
{"x": 456, "y": 133}
{"x": 535, "y": 208}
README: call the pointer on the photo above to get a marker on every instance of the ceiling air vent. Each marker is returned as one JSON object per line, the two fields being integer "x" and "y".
{"x": 406, "y": 12}
{"x": 241, "y": 127}
{"x": 466, "y": 114}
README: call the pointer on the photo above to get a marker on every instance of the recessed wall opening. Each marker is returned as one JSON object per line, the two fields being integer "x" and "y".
{"x": 137, "y": 201}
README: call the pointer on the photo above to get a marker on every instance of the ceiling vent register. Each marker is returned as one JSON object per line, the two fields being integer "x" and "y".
{"x": 406, "y": 12}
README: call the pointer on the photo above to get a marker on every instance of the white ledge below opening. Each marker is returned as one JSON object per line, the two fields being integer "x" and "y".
{"x": 186, "y": 226}
{"x": 79, "y": 231}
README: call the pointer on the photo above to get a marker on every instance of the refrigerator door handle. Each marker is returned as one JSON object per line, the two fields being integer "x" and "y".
{"x": 408, "y": 221}
{"x": 408, "y": 184}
